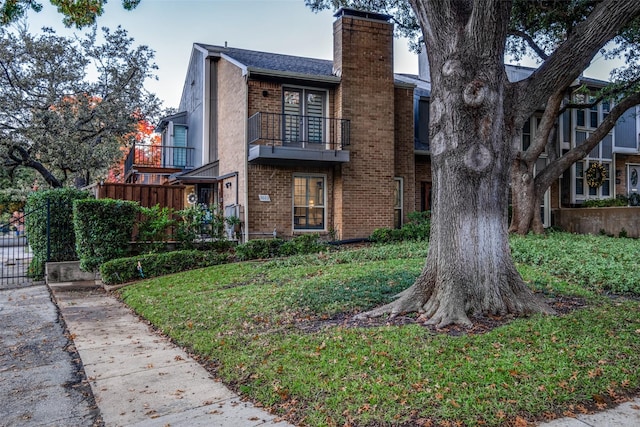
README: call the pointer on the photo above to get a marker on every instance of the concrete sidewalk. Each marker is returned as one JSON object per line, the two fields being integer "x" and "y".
{"x": 139, "y": 378}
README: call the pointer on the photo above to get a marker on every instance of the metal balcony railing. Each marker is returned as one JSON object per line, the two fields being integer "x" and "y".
{"x": 158, "y": 156}
{"x": 309, "y": 132}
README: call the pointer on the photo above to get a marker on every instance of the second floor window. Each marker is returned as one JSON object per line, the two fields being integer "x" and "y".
{"x": 304, "y": 116}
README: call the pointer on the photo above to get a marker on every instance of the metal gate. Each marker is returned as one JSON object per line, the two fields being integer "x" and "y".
{"x": 15, "y": 254}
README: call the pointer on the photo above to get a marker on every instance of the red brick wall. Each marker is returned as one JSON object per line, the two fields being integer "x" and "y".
{"x": 621, "y": 165}
{"x": 363, "y": 57}
{"x": 277, "y": 183}
{"x": 404, "y": 157}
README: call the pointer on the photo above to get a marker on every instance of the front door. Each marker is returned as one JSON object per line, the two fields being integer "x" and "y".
{"x": 633, "y": 182}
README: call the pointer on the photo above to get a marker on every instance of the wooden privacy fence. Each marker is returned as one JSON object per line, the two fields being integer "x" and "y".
{"x": 170, "y": 196}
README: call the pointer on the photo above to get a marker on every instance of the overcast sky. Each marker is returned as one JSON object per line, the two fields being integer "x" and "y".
{"x": 170, "y": 27}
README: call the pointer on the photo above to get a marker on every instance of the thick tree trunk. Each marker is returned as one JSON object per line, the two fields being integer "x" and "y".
{"x": 469, "y": 269}
{"x": 522, "y": 197}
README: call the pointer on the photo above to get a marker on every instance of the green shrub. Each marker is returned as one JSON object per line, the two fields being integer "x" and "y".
{"x": 386, "y": 235}
{"x": 260, "y": 248}
{"x": 53, "y": 208}
{"x": 605, "y": 203}
{"x": 124, "y": 270}
{"x": 303, "y": 244}
{"x": 103, "y": 230}
{"x": 198, "y": 222}
{"x": 271, "y": 248}
{"x": 418, "y": 227}
{"x": 154, "y": 227}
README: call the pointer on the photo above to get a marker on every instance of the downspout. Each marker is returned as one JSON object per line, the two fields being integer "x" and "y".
{"x": 246, "y": 158}
{"x": 206, "y": 108}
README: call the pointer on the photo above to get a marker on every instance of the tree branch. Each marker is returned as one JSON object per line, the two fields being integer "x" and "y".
{"x": 532, "y": 44}
{"x": 574, "y": 55}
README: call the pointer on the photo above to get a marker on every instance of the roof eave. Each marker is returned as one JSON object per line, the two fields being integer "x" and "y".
{"x": 292, "y": 75}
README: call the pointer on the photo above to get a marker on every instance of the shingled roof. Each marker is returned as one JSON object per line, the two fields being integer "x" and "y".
{"x": 257, "y": 61}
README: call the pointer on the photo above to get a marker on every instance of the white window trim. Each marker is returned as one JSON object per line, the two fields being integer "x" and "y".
{"x": 575, "y": 198}
{"x": 293, "y": 203}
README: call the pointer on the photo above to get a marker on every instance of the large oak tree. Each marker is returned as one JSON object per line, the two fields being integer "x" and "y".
{"x": 476, "y": 120}
{"x": 67, "y": 105}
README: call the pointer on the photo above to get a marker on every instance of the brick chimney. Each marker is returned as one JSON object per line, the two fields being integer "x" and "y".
{"x": 363, "y": 59}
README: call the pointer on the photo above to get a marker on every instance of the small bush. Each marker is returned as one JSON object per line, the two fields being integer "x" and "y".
{"x": 53, "y": 208}
{"x": 103, "y": 230}
{"x": 260, "y": 248}
{"x": 418, "y": 227}
{"x": 124, "y": 270}
{"x": 154, "y": 228}
{"x": 271, "y": 248}
{"x": 199, "y": 222}
{"x": 303, "y": 244}
{"x": 605, "y": 203}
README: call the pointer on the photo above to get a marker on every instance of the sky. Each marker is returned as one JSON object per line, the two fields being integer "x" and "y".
{"x": 170, "y": 27}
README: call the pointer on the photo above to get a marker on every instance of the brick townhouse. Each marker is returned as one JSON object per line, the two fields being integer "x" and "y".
{"x": 339, "y": 147}
{"x": 295, "y": 145}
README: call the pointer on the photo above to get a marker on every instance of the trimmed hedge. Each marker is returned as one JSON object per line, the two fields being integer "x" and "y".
{"x": 62, "y": 243}
{"x": 103, "y": 230}
{"x": 124, "y": 270}
{"x": 417, "y": 228}
{"x": 271, "y": 248}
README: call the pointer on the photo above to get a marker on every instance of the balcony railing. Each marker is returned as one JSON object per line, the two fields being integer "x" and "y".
{"x": 158, "y": 156}
{"x": 307, "y": 132}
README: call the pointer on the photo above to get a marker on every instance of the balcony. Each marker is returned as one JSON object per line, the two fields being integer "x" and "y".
{"x": 286, "y": 139}
{"x": 159, "y": 159}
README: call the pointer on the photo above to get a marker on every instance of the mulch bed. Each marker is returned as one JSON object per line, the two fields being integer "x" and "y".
{"x": 481, "y": 324}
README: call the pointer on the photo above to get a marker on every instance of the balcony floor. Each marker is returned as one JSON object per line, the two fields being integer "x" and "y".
{"x": 278, "y": 155}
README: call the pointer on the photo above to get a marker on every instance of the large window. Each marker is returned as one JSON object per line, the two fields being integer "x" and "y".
{"x": 303, "y": 116}
{"x": 587, "y": 120}
{"x": 583, "y": 190}
{"x": 309, "y": 202}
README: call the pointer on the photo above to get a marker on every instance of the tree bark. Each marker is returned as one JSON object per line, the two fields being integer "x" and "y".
{"x": 476, "y": 118}
{"x": 469, "y": 269}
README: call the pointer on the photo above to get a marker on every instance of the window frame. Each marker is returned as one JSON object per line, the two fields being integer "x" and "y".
{"x": 304, "y": 128}
{"x": 398, "y": 202}
{"x": 306, "y": 229}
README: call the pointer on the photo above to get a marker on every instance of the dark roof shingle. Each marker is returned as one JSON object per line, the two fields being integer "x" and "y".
{"x": 274, "y": 61}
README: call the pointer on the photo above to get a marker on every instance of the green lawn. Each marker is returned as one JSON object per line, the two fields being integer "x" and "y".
{"x": 279, "y": 333}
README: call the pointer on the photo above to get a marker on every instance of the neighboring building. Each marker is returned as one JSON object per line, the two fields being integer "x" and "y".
{"x": 294, "y": 145}
{"x": 618, "y": 152}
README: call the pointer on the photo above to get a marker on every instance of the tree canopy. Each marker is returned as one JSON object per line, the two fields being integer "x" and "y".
{"x": 68, "y": 105}
{"x": 75, "y": 13}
